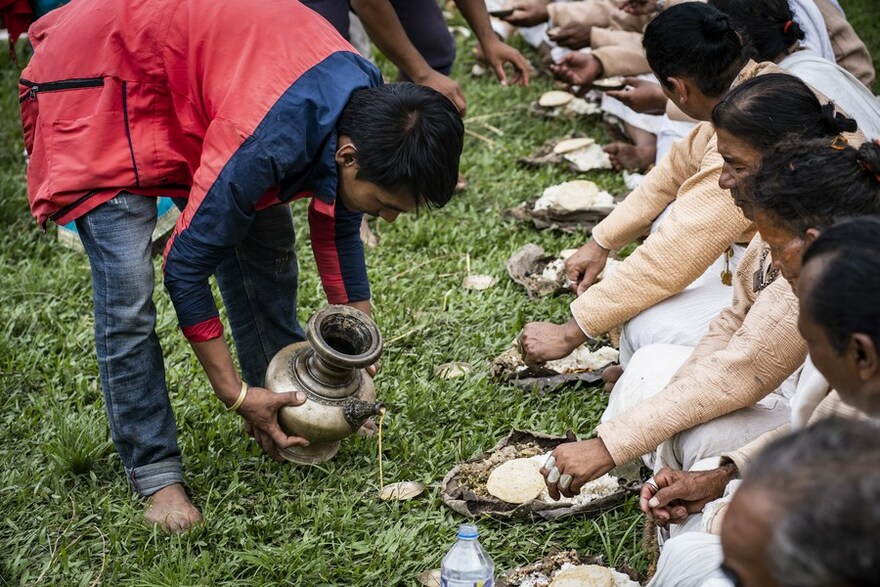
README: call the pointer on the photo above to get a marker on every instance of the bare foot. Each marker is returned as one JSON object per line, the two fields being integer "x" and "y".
{"x": 461, "y": 184}
{"x": 610, "y": 376}
{"x": 630, "y": 157}
{"x": 171, "y": 510}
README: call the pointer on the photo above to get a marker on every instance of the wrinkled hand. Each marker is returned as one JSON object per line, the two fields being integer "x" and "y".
{"x": 544, "y": 341}
{"x": 527, "y": 13}
{"x": 497, "y": 53}
{"x": 573, "y": 36}
{"x": 641, "y": 95}
{"x": 585, "y": 265}
{"x": 577, "y": 69}
{"x": 446, "y": 86}
{"x": 681, "y": 493}
{"x": 584, "y": 461}
{"x": 372, "y": 369}
{"x": 638, "y": 7}
{"x": 260, "y": 411}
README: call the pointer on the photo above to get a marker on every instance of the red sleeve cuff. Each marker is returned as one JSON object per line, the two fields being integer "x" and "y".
{"x": 207, "y": 330}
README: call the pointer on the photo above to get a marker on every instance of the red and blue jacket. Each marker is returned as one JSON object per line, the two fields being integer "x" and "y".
{"x": 231, "y": 104}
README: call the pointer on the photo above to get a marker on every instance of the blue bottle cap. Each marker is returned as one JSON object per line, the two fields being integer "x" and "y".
{"x": 467, "y": 531}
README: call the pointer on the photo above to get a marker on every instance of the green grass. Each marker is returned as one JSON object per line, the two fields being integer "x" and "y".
{"x": 864, "y": 16}
{"x": 67, "y": 516}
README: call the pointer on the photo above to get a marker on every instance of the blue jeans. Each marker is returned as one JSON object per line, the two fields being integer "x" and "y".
{"x": 258, "y": 281}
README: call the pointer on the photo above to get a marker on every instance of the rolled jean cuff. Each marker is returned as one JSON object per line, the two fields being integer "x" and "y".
{"x": 149, "y": 479}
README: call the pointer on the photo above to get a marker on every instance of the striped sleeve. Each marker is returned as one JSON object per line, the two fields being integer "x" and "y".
{"x": 339, "y": 251}
{"x": 236, "y": 170}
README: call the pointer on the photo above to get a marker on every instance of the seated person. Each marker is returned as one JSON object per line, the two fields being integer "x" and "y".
{"x": 686, "y": 237}
{"x": 788, "y": 36}
{"x": 808, "y": 511}
{"x": 576, "y": 24}
{"x": 612, "y": 42}
{"x": 750, "y": 350}
{"x": 838, "y": 327}
{"x": 774, "y": 36}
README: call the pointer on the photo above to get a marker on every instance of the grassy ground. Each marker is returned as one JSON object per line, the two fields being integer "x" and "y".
{"x": 864, "y": 16}
{"x": 68, "y": 517}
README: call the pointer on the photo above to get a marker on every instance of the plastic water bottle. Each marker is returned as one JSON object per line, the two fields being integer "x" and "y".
{"x": 467, "y": 564}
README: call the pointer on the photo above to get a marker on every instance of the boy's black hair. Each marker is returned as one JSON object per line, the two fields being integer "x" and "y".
{"x": 763, "y": 110}
{"x": 768, "y": 26}
{"x": 696, "y": 41}
{"x": 408, "y": 137}
{"x": 843, "y": 299}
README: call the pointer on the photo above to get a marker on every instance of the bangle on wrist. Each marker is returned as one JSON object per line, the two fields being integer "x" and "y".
{"x": 241, "y": 397}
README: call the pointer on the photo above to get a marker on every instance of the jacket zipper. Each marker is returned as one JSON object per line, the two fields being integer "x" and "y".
{"x": 59, "y": 85}
{"x": 59, "y": 213}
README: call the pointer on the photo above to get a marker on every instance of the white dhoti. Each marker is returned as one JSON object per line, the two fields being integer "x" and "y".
{"x": 669, "y": 132}
{"x": 651, "y": 123}
{"x": 690, "y": 559}
{"x": 684, "y": 318}
{"x": 649, "y": 372}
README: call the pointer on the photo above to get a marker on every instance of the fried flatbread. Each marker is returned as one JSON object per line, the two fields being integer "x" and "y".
{"x": 555, "y": 99}
{"x": 584, "y": 576}
{"x": 516, "y": 481}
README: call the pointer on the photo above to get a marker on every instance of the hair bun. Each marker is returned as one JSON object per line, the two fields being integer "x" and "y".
{"x": 791, "y": 32}
{"x": 716, "y": 24}
{"x": 869, "y": 159}
{"x": 835, "y": 122}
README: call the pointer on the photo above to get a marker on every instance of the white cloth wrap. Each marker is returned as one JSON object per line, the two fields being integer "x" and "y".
{"x": 839, "y": 86}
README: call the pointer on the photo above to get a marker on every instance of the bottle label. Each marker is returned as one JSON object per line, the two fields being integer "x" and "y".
{"x": 458, "y": 583}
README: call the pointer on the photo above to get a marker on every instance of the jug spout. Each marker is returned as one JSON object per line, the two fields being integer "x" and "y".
{"x": 356, "y": 412}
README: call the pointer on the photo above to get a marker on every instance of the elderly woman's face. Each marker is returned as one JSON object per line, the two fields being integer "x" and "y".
{"x": 740, "y": 161}
{"x": 786, "y": 247}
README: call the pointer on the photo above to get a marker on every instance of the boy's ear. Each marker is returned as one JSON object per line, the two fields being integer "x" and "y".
{"x": 346, "y": 153}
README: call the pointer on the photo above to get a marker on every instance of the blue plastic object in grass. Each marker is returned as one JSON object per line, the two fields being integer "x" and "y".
{"x": 167, "y": 215}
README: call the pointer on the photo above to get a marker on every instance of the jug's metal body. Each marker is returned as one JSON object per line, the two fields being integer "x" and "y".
{"x": 329, "y": 369}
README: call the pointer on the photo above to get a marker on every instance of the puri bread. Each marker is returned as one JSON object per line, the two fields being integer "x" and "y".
{"x": 584, "y": 576}
{"x": 554, "y": 99}
{"x": 569, "y": 145}
{"x": 516, "y": 481}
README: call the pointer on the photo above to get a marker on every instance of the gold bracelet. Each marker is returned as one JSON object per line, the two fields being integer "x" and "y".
{"x": 241, "y": 396}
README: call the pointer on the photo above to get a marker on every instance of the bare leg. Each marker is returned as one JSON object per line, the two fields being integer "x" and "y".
{"x": 638, "y": 156}
{"x": 171, "y": 510}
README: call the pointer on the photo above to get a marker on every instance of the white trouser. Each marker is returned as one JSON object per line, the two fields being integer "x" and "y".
{"x": 684, "y": 318}
{"x": 649, "y": 372}
{"x": 690, "y": 559}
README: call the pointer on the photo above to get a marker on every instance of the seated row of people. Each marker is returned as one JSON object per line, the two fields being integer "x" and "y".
{"x": 714, "y": 339}
{"x": 811, "y": 38}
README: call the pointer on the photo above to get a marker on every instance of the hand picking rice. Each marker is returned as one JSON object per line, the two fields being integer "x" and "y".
{"x": 598, "y": 488}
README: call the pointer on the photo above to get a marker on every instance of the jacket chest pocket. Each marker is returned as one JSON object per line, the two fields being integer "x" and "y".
{"x": 85, "y": 133}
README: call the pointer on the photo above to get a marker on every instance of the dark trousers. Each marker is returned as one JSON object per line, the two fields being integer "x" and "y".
{"x": 421, "y": 19}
